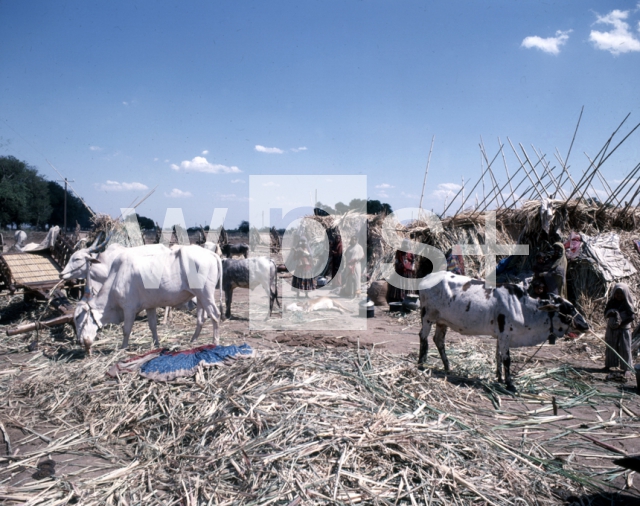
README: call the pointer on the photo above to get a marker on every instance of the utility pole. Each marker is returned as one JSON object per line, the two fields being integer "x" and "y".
{"x": 65, "y": 200}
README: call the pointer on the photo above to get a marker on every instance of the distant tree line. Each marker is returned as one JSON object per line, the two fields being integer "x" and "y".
{"x": 359, "y": 205}
{"x": 26, "y": 197}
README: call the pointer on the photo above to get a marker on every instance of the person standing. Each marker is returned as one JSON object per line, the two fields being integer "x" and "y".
{"x": 303, "y": 272}
{"x": 619, "y": 311}
{"x": 556, "y": 277}
{"x": 352, "y": 274}
{"x": 335, "y": 257}
{"x": 404, "y": 265}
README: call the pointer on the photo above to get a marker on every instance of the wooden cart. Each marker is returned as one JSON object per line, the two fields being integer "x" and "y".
{"x": 36, "y": 274}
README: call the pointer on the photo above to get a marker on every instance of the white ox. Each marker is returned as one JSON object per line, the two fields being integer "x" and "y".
{"x": 506, "y": 312}
{"x": 20, "y": 237}
{"x": 123, "y": 294}
{"x": 212, "y": 246}
{"x": 92, "y": 264}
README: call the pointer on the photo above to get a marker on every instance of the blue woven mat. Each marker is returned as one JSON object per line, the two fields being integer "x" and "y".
{"x": 170, "y": 365}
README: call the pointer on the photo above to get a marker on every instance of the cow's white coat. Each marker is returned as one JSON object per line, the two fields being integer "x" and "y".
{"x": 507, "y": 313}
{"x": 123, "y": 294}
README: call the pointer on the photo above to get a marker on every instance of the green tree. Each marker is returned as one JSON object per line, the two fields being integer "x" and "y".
{"x": 243, "y": 227}
{"x": 40, "y": 201}
{"x": 13, "y": 191}
{"x": 76, "y": 210}
{"x": 325, "y": 207}
{"x": 359, "y": 205}
{"x": 145, "y": 223}
{"x": 377, "y": 207}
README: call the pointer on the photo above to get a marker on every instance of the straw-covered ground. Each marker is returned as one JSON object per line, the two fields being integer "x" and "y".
{"x": 309, "y": 425}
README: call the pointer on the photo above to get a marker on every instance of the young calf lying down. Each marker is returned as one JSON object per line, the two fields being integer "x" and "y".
{"x": 317, "y": 304}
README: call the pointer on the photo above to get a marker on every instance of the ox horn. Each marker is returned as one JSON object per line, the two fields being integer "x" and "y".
{"x": 77, "y": 245}
{"x": 97, "y": 240}
{"x": 98, "y": 246}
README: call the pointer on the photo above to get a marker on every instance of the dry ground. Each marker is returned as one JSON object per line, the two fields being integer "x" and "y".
{"x": 316, "y": 417}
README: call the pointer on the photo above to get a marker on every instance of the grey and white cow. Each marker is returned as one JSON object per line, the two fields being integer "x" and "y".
{"x": 250, "y": 273}
{"x": 506, "y": 312}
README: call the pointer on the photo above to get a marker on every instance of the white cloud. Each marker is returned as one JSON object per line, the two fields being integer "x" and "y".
{"x": 115, "y": 186}
{"x": 409, "y": 195}
{"x": 384, "y": 186}
{"x": 237, "y": 181}
{"x": 446, "y": 190}
{"x": 619, "y": 39}
{"x": 270, "y": 183}
{"x": 125, "y": 103}
{"x": 296, "y": 150}
{"x": 200, "y": 164}
{"x": 205, "y": 152}
{"x": 95, "y": 148}
{"x": 155, "y": 159}
{"x": 166, "y": 161}
{"x": 232, "y": 197}
{"x": 383, "y": 195}
{"x": 262, "y": 149}
{"x": 177, "y": 194}
{"x": 550, "y": 44}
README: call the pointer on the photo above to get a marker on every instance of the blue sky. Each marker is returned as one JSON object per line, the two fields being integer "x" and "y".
{"x": 195, "y": 97}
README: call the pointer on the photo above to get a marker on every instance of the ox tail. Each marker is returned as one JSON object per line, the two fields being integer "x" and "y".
{"x": 222, "y": 318}
{"x": 275, "y": 270}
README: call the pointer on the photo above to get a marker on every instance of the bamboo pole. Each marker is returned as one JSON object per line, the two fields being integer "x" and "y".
{"x": 575, "y": 132}
{"x": 623, "y": 184}
{"x": 525, "y": 170}
{"x": 603, "y": 181}
{"x": 564, "y": 168}
{"x": 600, "y": 154}
{"x": 474, "y": 186}
{"x": 424, "y": 182}
{"x": 526, "y": 156}
{"x": 493, "y": 178}
{"x": 506, "y": 168}
{"x": 549, "y": 172}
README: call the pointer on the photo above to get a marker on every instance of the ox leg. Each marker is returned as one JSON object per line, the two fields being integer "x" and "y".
{"x": 200, "y": 312}
{"x": 216, "y": 326}
{"x": 129, "y": 318}
{"x": 211, "y": 312}
{"x": 424, "y": 341}
{"x": 507, "y": 372}
{"x": 438, "y": 338}
{"x": 498, "y": 365}
{"x": 503, "y": 358}
{"x": 152, "y": 317}
{"x": 228, "y": 296}
{"x": 267, "y": 290}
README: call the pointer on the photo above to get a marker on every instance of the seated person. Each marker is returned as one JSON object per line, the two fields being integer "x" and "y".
{"x": 538, "y": 289}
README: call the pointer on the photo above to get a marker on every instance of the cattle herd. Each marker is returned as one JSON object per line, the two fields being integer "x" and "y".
{"x": 121, "y": 282}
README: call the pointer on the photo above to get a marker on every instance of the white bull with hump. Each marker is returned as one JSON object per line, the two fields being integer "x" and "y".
{"x": 506, "y": 312}
{"x": 181, "y": 274}
{"x": 93, "y": 263}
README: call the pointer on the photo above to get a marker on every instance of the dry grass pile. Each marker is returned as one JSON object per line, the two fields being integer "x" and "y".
{"x": 348, "y": 427}
{"x": 113, "y": 227}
